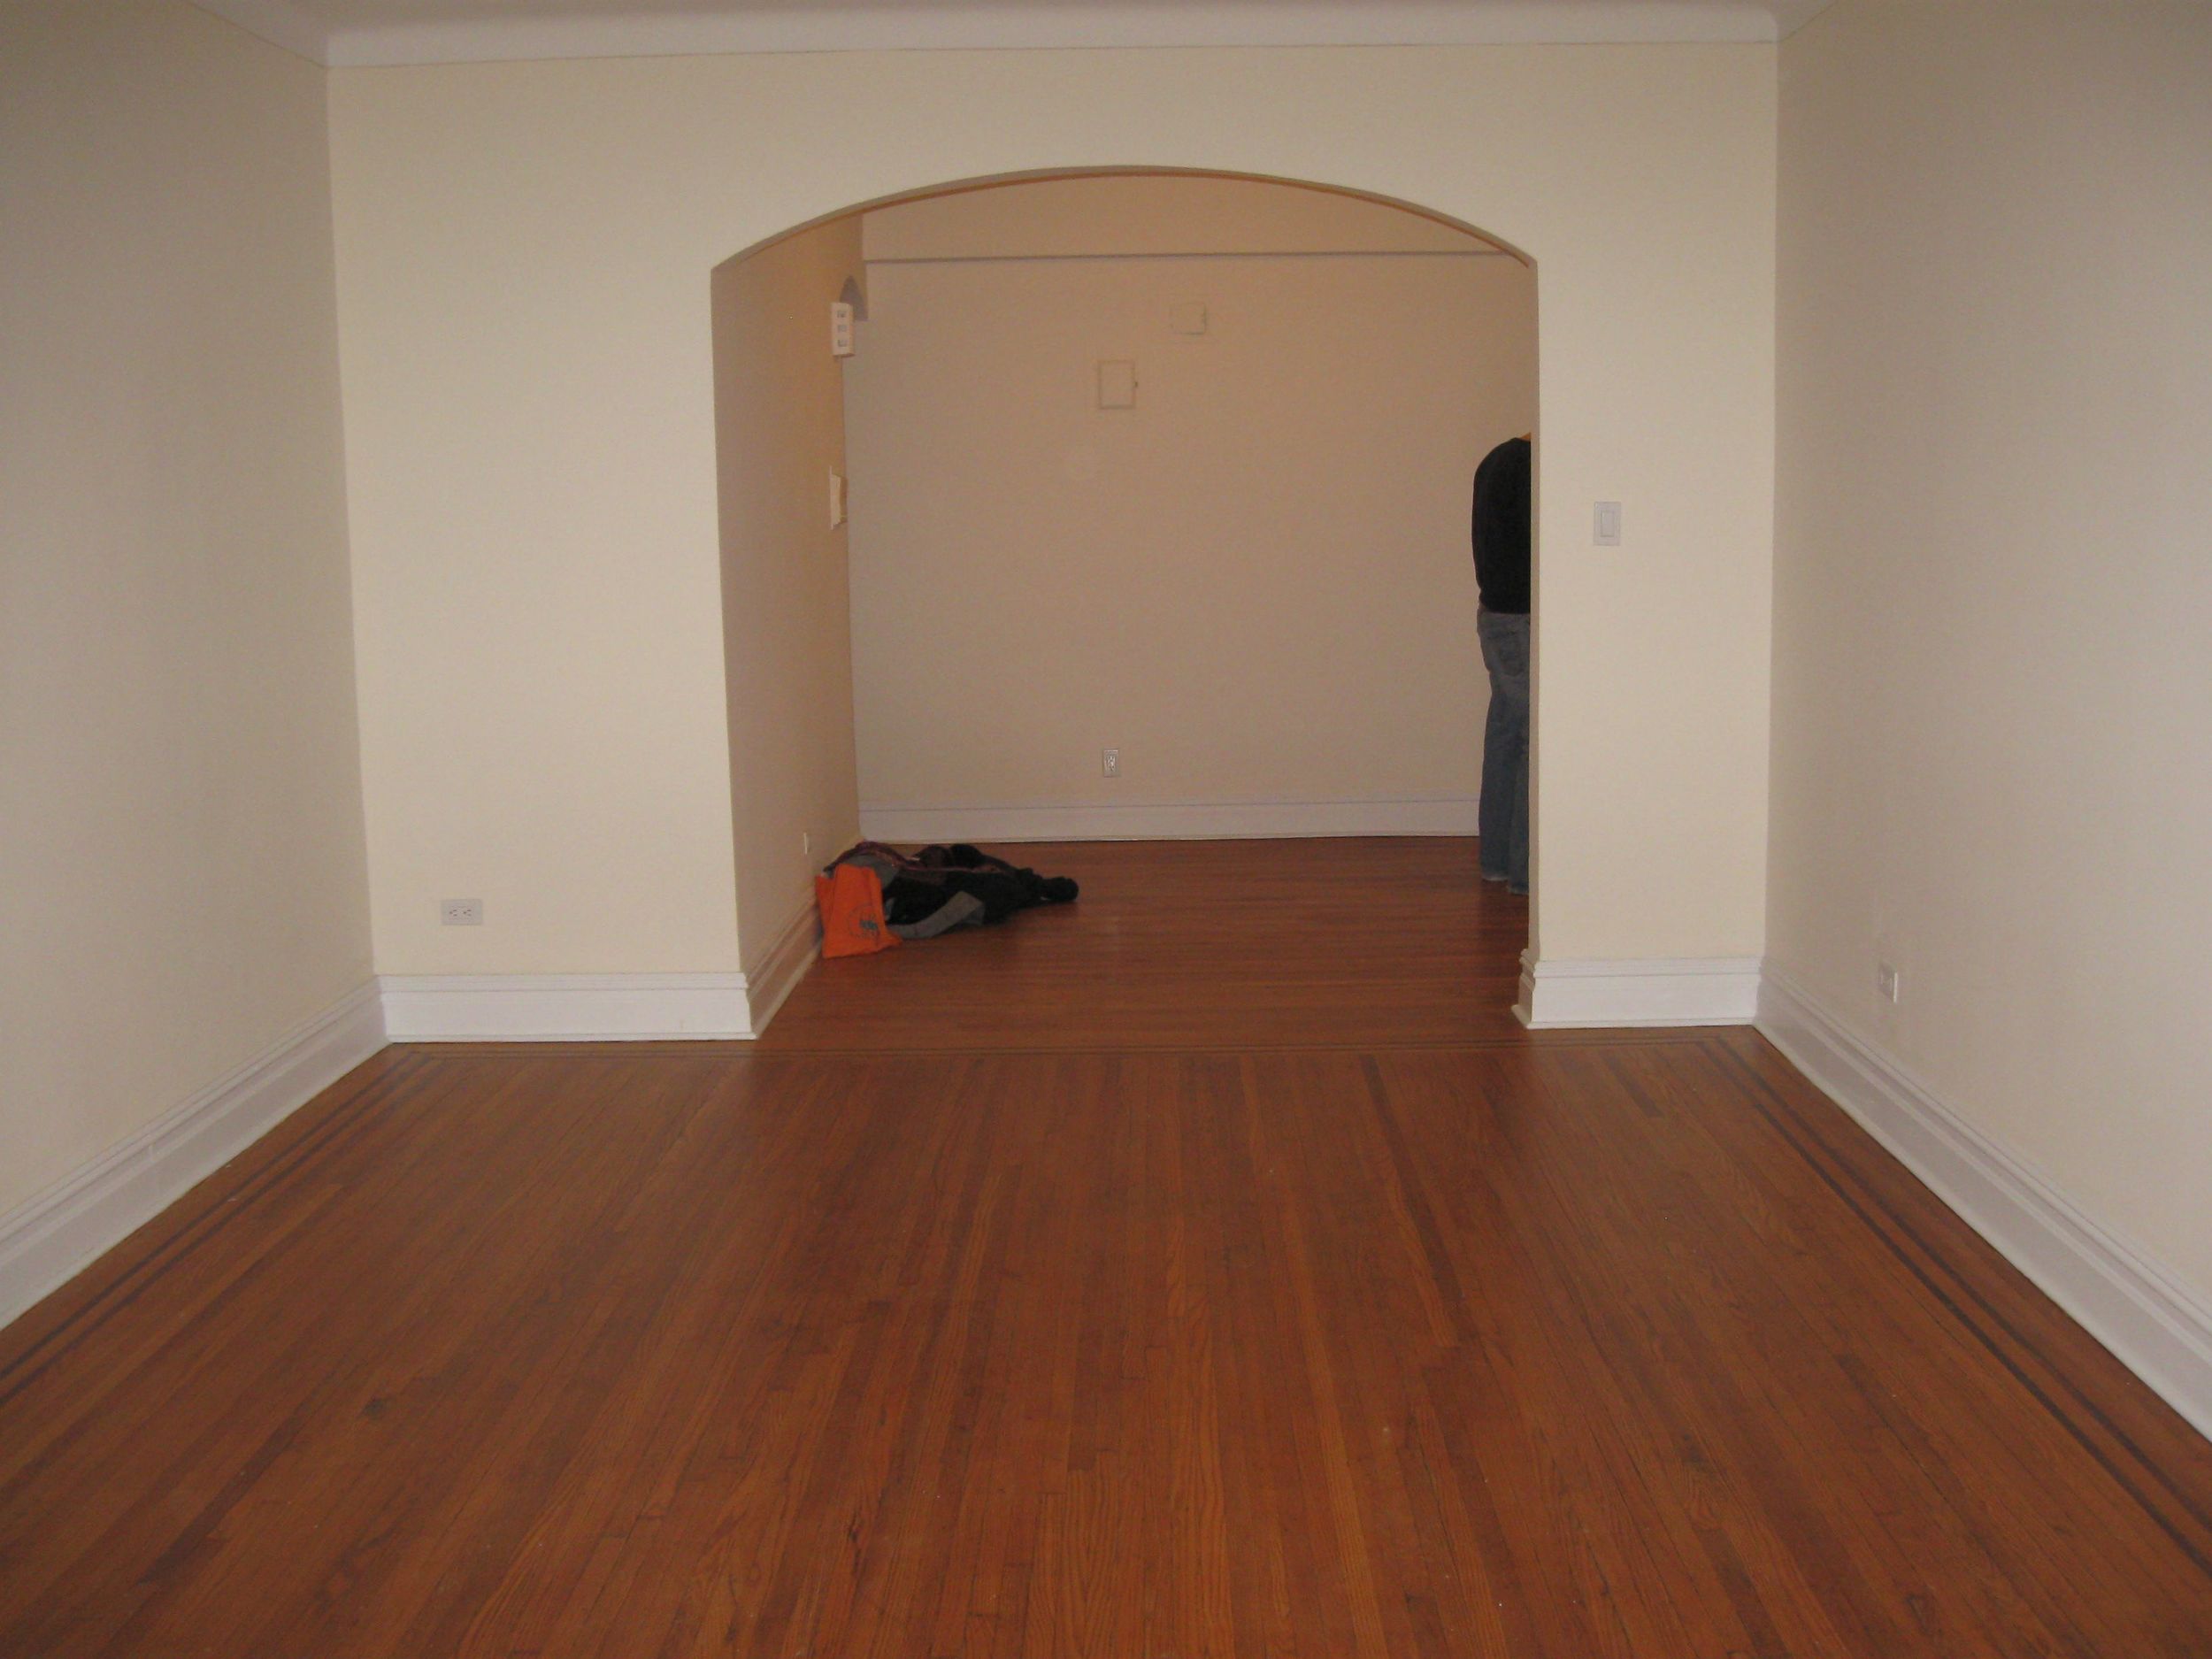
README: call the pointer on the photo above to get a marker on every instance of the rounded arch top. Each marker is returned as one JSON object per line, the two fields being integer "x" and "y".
{"x": 1050, "y": 175}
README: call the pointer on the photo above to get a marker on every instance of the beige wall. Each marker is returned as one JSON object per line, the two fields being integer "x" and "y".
{"x": 1255, "y": 584}
{"x": 1149, "y": 213}
{"x": 1993, "y": 598}
{"x": 523, "y": 259}
{"x": 779, "y": 403}
{"x": 181, "y": 874}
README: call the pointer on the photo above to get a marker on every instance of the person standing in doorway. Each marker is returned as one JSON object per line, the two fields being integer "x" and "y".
{"x": 1501, "y": 573}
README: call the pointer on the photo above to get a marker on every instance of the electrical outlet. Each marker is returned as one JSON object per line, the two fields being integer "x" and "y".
{"x": 461, "y": 912}
{"x": 1888, "y": 985}
{"x": 1111, "y": 763}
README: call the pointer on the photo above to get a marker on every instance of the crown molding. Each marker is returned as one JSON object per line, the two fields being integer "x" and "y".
{"x": 279, "y": 22}
{"x": 999, "y": 24}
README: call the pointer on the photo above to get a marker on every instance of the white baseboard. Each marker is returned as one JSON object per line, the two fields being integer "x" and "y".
{"x": 44, "y": 1242}
{"x": 1653, "y": 991}
{"x": 2127, "y": 1301}
{"x": 564, "y": 1007}
{"x": 794, "y": 950}
{"x": 1169, "y": 820}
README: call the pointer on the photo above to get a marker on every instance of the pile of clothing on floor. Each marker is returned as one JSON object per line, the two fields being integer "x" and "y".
{"x": 873, "y": 896}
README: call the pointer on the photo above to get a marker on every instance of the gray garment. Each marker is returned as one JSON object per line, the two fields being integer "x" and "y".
{"x": 958, "y": 910}
{"x": 886, "y": 869}
{"x": 1502, "y": 820}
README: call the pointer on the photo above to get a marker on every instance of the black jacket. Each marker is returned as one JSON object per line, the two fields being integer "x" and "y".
{"x": 1501, "y": 538}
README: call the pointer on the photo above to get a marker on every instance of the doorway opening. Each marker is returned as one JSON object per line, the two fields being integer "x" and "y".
{"x": 1110, "y": 504}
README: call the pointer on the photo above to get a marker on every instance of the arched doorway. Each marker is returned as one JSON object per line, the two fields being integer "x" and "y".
{"x": 822, "y": 680}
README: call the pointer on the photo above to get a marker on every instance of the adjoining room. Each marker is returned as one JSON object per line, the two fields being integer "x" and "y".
{"x": 974, "y": 593}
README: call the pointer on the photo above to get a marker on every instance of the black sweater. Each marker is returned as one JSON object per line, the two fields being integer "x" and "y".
{"x": 1501, "y": 528}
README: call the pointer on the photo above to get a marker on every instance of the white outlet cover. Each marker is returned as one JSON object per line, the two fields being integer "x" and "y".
{"x": 461, "y": 912}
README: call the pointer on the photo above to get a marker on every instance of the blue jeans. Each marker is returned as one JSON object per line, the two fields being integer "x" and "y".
{"x": 1502, "y": 818}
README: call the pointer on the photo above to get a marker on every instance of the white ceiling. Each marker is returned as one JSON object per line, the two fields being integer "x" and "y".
{"x": 349, "y": 32}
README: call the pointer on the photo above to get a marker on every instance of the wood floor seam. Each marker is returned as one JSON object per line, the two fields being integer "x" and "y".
{"x": 1889, "y": 1235}
{"x": 121, "y": 1291}
{"x": 1211, "y": 1268}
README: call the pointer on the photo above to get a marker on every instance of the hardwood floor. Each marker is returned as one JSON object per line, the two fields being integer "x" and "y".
{"x": 1198, "y": 945}
{"x": 1205, "y": 1270}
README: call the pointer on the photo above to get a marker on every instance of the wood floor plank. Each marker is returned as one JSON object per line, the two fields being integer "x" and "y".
{"x": 1209, "y": 1268}
{"x": 1198, "y": 945}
